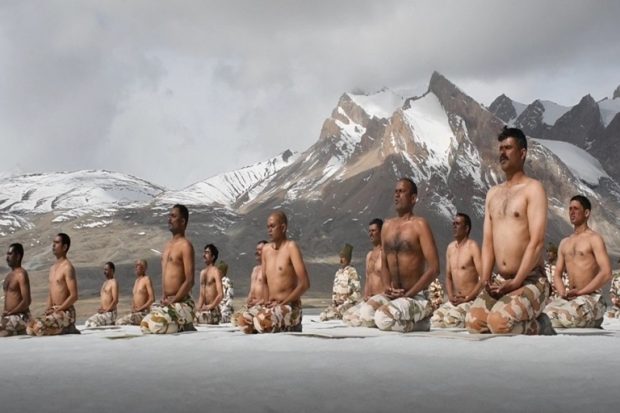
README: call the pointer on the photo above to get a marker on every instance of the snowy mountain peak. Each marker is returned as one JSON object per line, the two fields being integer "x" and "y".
{"x": 45, "y": 192}
{"x": 231, "y": 187}
{"x": 616, "y": 94}
{"x": 506, "y": 109}
{"x": 381, "y": 104}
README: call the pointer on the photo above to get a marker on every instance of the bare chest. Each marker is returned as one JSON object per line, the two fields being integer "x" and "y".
{"x": 509, "y": 204}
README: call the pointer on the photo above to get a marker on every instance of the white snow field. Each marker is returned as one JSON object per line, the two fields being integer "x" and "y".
{"x": 328, "y": 368}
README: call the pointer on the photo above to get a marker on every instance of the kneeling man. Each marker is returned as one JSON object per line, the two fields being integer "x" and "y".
{"x": 59, "y": 317}
{"x": 410, "y": 264}
{"x": 346, "y": 290}
{"x": 462, "y": 276}
{"x": 142, "y": 297}
{"x": 208, "y": 310}
{"x": 588, "y": 266}
{"x": 287, "y": 280}
{"x": 515, "y": 221}
{"x": 17, "y": 298}
{"x": 106, "y": 315}
{"x": 176, "y": 311}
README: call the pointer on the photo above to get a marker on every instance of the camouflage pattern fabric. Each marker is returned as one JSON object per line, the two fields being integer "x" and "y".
{"x": 345, "y": 293}
{"x": 101, "y": 319}
{"x": 262, "y": 319}
{"x": 584, "y": 311}
{"x": 132, "y": 319}
{"x": 549, "y": 270}
{"x": 58, "y": 322}
{"x": 212, "y": 316}
{"x": 402, "y": 314}
{"x": 169, "y": 319}
{"x": 226, "y": 307}
{"x": 234, "y": 319}
{"x": 435, "y": 294}
{"x": 450, "y": 316}
{"x": 513, "y": 313}
{"x": 14, "y": 324}
{"x": 352, "y": 317}
{"x": 613, "y": 311}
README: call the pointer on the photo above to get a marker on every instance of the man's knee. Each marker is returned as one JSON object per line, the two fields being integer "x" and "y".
{"x": 499, "y": 323}
{"x": 384, "y": 317}
{"x": 476, "y": 322}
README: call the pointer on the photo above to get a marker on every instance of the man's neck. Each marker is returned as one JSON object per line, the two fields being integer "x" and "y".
{"x": 405, "y": 215}
{"x": 579, "y": 229}
{"x": 514, "y": 177}
{"x": 278, "y": 244}
{"x": 461, "y": 241}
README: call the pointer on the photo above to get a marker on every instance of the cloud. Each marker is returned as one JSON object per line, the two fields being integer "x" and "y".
{"x": 177, "y": 92}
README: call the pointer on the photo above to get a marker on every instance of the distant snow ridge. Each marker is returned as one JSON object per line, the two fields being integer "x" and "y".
{"x": 381, "y": 104}
{"x": 92, "y": 189}
{"x": 227, "y": 188}
{"x": 553, "y": 111}
{"x": 609, "y": 108}
{"x": 583, "y": 165}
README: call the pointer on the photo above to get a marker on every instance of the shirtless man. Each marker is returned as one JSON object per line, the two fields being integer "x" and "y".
{"x": 211, "y": 293}
{"x": 373, "y": 283}
{"x": 16, "y": 313}
{"x": 287, "y": 280}
{"x": 106, "y": 314}
{"x": 258, "y": 293}
{"x": 514, "y": 231}
{"x": 409, "y": 264}
{"x": 585, "y": 258}
{"x": 142, "y": 297}
{"x": 463, "y": 267}
{"x": 59, "y": 317}
{"x": 176, "y": 310}
{"x": 346, "y": 290}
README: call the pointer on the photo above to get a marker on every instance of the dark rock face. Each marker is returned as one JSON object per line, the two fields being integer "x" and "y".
{"x": 531, "y": 120}
{"x": 616, "y": 93}
{"x": 607, "y": 147}
{"x": 503, "y": 108}
{"x": 580, "y": 126}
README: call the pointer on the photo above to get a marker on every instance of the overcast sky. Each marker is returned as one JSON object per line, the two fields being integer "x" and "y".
{"x": 177, "y": 91}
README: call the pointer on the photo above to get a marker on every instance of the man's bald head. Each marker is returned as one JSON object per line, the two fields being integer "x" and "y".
{"x": 280, "y": 216}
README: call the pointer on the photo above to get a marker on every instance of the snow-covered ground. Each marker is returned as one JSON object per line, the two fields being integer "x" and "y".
{"x": 219, "y": 369}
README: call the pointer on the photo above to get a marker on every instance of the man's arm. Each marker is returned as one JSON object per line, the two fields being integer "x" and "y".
{"x": 537, "y": 225}
{"x": 71, "y": 282}
{"x": 429, "y": 250}
{"x": 449, "y": 286}
{"x": 24, "y": 287}
{"x": 560, "y": 266}
{"x": 476, "y": 256}
{"x": 303, "y": 283}
{"x": 201, "y": 291}
{"x": 366, "y": 283}
{"x": 188, "y": 268}
{"x": 603, "y": 275}
{"x": 488, "y": 252}
{"x": 386, "y": 277}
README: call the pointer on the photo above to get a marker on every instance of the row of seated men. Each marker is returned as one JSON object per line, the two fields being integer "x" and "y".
{"x": 514, "y": 301}
{"x": 463, "y": 268}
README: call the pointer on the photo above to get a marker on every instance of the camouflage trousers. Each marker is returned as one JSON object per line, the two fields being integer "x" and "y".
{"x": 450, "y": 316}
{"x": 402, "y": 314}
{"x": 353, "y": 316}
{"x": 14, "y": 324}
{"x": 226, "y": 312}
{"x": 513, "y": 313}
{"x": 234, "y": 319}
{"x": 613, "y": 311}
{"x": 262, "y": 319}
{"x": 335, "y": 311}
{"x": 212, "y": 316}
{"x": 584, "y": 311}
{"x": 169, "y": 319}
{"x": 58, "y": 322}
{"x": 132, "y": 319}
{"x": 101, "y": 319}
